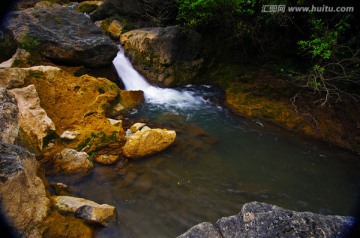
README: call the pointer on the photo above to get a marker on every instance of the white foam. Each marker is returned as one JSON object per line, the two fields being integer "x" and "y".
{"x": 155, "y": 95}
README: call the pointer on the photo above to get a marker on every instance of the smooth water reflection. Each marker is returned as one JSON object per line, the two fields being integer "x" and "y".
{"x": 217, "y": 164}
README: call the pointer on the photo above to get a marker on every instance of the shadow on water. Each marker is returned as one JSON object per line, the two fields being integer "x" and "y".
{"x": 217, "y": 164}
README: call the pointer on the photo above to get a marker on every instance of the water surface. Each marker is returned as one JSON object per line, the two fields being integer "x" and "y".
{"x": 217, "y": 163}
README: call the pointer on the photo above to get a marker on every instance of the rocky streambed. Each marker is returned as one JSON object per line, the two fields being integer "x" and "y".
{"x": 58, "y": 122}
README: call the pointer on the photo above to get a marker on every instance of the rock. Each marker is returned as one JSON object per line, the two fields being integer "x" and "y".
{"x": 265, "y": 220}
{"x": 69, "y": 161}
{"x": 23, "y": 196}
{"x": 74, "y": 104}
{"x": 34, "y": 122}
{"x": 107, "y": 159}
{"x": 165, "y": 56}
{"x": 69, "y": 135}
{"x": 61, "y": 34}
{"x": 115, "y": 122}
{"x": 9, "y": 117}
{"x": 60, "y": 188}
{"x": 22, "y": 58}
{"x": 57, "y": 225}
{"x": 96, "y": 215}
{"x": 8, "y": 44}
{"x": 137, "y": 127}
{"x": 148, "y": 142}
{"x": 127, "y": 101}
{"x": 12, "y": 77}
{"x": 88, "y": 210}
{"x": 115, "y": 29}
{"x": 202, "y": 230}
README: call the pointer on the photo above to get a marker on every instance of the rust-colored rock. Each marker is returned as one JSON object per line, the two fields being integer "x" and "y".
{"x": 74, "y": 104}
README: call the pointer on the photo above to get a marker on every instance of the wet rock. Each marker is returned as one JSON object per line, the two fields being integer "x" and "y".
{"x": 265, "y": 220}
{"x": 202, "y": 230}
{"x": 165, "y": 56}
{"x": 22, "y": 192}
{"x": 137, "y": 127}
{"x": 130, "y": 178}
{"x": 34, "y": 122}
{"x": 60, "y": 188}
{"x": 88, "y": 210}
{"x": 57, "y": 225}
{"x": 69, "y": 161}
{"x": 96, "y": 215}
{"x": 148, "y": 142}
{"x": 107, "y": 159}
{"x": 61, "y": 34}
{"x": 9, "y": 117}
{"x": 127, "y": 101}
{"x": 115, "y": 122}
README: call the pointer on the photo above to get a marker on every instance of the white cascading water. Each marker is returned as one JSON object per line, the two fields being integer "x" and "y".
{"x": 155, "y": 95}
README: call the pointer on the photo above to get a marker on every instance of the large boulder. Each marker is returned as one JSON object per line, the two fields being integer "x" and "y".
{"x": 9, "y": 117}
{"x": 265, "y": 220}
{"x": 148, "y": 142}
{"x": 35, "y": 125}
{"x": 165, "y": 56}
{"x": 61, "y": 34}
{"x": 79, "y": 104}
{"x": 23, "y": 196}
{"x": 90, "y": 211}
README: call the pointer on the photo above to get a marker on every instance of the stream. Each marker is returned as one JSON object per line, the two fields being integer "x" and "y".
{"x": 217, "y": 163}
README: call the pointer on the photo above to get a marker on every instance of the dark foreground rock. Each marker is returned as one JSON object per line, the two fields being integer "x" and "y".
{"x": 264, "y": 220}
{"x": 61, "y": 34}
{"x": 166, "y": 56}
{"x": 22, "y": 193}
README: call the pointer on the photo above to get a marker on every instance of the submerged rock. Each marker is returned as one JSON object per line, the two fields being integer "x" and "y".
{"x": 148, "y": 142}
{"x": 166, "y": 56}
{"x": 264, "y": 220}
{"x": 85, "y": 209}
{"x": 61, "y": 34}
{"x": 23, "y": 196}
{"x": 35, "y": 125}
{"x": 9, "y": 117}
{"x": 69, "y": 161}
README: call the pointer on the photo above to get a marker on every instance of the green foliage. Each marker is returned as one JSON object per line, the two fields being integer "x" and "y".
{"x": 335, "y": 60}
{"x": 87, "y": 7}
{"x": 29, "y": 42}
{"x": 193, "y": 13}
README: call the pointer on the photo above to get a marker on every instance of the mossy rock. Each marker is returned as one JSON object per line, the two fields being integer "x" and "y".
{"x": 59, "y": 226}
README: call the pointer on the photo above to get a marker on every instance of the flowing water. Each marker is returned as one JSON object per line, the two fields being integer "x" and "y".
{"x": 218, "y": 163}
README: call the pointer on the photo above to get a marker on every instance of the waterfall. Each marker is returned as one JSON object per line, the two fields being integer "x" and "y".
{"x": 154, "y": 95}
